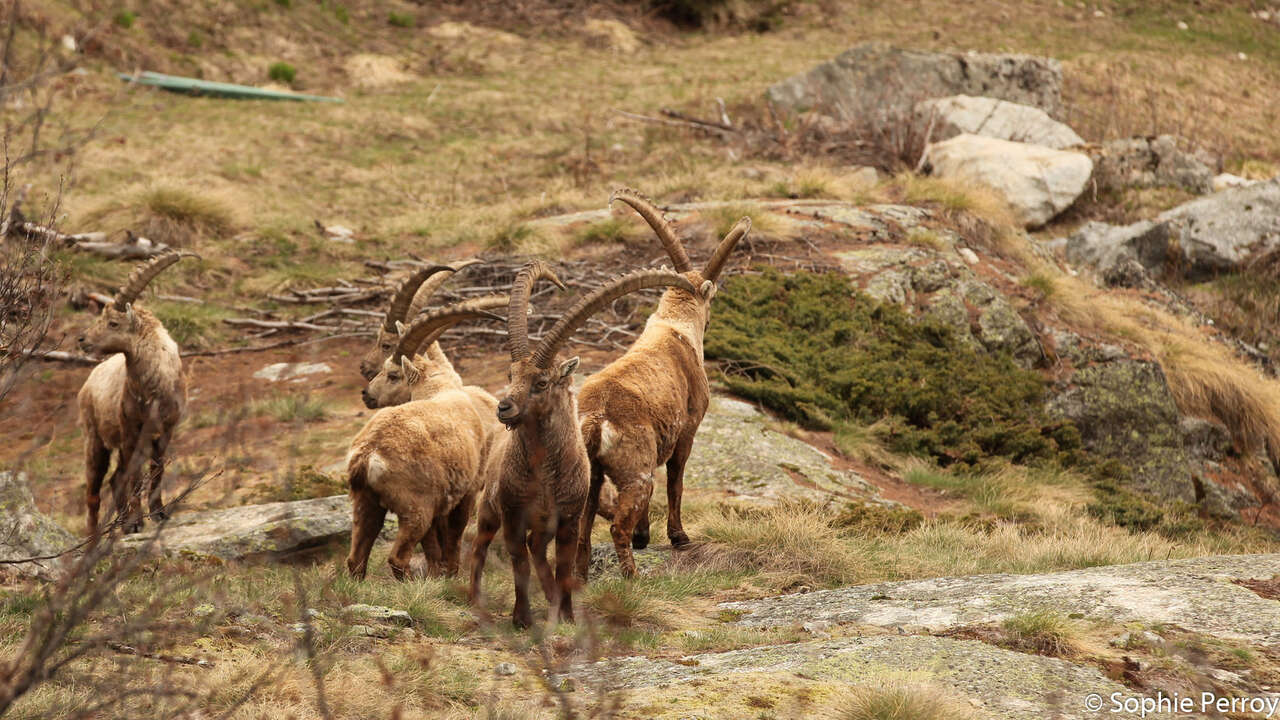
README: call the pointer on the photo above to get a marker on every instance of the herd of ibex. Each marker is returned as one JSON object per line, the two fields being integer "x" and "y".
{"x": 532, "y": 464}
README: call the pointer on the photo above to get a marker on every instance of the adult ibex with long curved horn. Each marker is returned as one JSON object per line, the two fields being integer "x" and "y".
{"x": 408, "y": 301}
{"x": 132, "y": 401}
{"x": 421, "y": 460}
{"x": 644, "y": 409}
{"x": 536, "y": 477}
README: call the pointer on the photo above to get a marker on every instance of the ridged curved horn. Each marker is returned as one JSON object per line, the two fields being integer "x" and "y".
{"x": 429, "y": 288}
{"x": 658, "y": 222}
{"x": 518, "y": 308}
{"x": 429, "y": 327}
{"x": 398, "y": 310}
{"x": 144, "y": 274}
{"x": 725, "y": 248}
{"x": 599, "y": 299}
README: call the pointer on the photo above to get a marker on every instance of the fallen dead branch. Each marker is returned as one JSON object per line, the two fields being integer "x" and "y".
{"x": 162, "y": 657}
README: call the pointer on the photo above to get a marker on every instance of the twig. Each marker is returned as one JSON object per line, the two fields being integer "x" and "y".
{"x": 673, "y": 123}
{"x": 177, "y": 659}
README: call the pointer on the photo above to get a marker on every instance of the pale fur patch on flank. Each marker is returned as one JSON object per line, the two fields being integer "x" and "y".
{"x": 375, "y": 468}
{"x": 608, "y": 436}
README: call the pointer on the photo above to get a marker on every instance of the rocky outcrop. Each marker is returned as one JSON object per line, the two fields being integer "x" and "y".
{"x": 989, "y": 117}
{"x": 1196, "y": 594}
{"x": 1124, "y": 410}
{"x": 25, "y": 532}
{"x": 1037, "y": 182}
{"x": 1152, "y": 162}
{"x": 988, "y": 681}
{"x": 875, "y": 80}
{"x": 1202, "y": 238}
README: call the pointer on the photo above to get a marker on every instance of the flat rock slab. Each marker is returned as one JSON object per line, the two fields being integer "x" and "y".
{"x": 277, "y": 372}
{"x": 997, "y": 683}
{"x": 1198, "y": 595}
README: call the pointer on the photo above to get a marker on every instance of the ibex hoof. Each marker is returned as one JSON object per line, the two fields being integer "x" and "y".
{"x": 679, "y": 539}
{"x": 640, "y": 538}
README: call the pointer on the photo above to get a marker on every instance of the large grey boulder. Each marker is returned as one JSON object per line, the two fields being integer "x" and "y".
{"x": 1037, "y": 182}
{"x": 1152, "y": 162}
{"x": 876, "y": 80}
{"x": 271, "y": 531}
{"x": 990, "y": 117}
{"x": 1218, "y": 232}
{"x": 1114, "y": 251}
{"x": 25, "y": 532}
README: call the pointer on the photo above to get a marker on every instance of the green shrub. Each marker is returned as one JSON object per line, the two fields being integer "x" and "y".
{"x": 808, "y": 347}
{"x": 400, "y": 20}
{"x": 125, "y": 18}
{"x": 281, "y": 72}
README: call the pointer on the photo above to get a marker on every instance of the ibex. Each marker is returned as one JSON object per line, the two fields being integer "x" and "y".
{"x": 132, "y": 401}
{"x": 644, "y": 408}
{"x": 536, "y": 477}
{"x": 409, "y": 300}
{"x": 421, "y": 460}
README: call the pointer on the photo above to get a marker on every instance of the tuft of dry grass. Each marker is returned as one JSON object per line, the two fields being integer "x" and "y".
{"x": 898, "y": 702}
{"x": 1043, "y": 632}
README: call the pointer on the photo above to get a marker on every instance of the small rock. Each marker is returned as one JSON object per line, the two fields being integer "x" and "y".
{"x": 505, "y": 669}
{"x": 68, "y": 43}
{"x": 298, "y": 628}
{"x": 290, "y": 371}
{"x": 865, "y": 176}
{"x": 1225, "y": 676}
{"x": 373, "y": 631}
{"x": 1224, "y": 181}
{"x": 817, "y": 627}
{"x": 1241, "y": 56}
{"x": 994, "y": 118}
{"x": 26, "y": 532}
{"x": 1099, "y": 14}
{"x": 969, "y": 256}
{"x": 380, "y": 614}
{"x": 203, "y": 610}
{"x": 340, "y": 233}
{"x": 1183, "y": 26}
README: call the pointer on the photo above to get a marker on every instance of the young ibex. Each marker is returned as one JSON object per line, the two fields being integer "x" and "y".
{"x": 132, "y": 401}
{"x": 644, "y": 408}
{"x": 409, "y": 300}
{"x": 536, "y": 477}
{"x": 421, "y": 460}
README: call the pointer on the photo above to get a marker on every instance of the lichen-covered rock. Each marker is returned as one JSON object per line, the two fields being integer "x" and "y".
{"x": 876, "y": 80}
{"x": 1037, "y": 182}
{"x": 1195, "y": 594}
{"x": 1217, "y": 233}
{"x": 738, "y": 456}
{"x": 1110, "y": 249}
{"x": 271, "y": 531}
{"x": 25, "y": 532}
{"x": 1124, "y": 410}
{"x": 378, "y": 614}
{"x": 990, "y": 117}
{"x": 1152, "y": 162}
{"x": 994, "y": 682}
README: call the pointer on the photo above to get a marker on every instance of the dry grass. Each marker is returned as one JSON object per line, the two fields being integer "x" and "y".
{"x": 1043, "y": 632}
{"x": 898, "y": 702}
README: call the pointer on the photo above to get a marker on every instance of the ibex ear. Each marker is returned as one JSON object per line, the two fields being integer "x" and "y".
{"x": 567, "y": 367}
{"x": 129, "y": 314}
{"x": 708, "y": 289}
{"x": 400, "y": 328}
{"x": 411, "y": 373}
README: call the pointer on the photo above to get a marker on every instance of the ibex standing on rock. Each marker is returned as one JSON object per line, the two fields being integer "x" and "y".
{"x": 420, "y": 460}
{"x": 132, "y": 401}
{"x": 536, "y": 478}
{"x": 644, "y": 408}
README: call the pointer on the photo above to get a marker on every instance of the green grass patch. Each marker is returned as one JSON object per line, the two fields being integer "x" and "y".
{"x": 606, "y": 232}
{"x": 810, "y": 348}
{"x": 192, "y": 325}
{"x": 1043, "y": 632}
{"x": 290, "y": 408}
{"x": 282, "y": 72}
{"x": 400, "y": 20}
{"x": 303, "y": 483}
